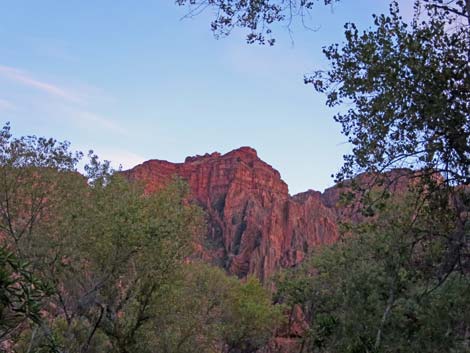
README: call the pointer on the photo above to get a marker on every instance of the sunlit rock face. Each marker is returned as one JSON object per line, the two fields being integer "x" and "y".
{"x": 254, "y": 225}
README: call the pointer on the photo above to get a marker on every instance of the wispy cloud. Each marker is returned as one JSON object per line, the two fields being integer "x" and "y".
{"x": 74, "y": 103}
{"x": 27, "y": 79}
{"x": 6, "y": 105}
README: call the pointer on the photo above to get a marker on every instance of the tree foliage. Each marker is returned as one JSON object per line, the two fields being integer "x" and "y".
{"x": 257, "y": 16}
{"x": 407, "y": 87}
{"x": 32, "y": 171}
{"x": 122, "y": 250}
{"x": 101, "y": 244}
{"x": 21, "y": 296}
{"x": 208, "y": 311}
{"x": 92, "y": 263}
{"x": 376, "y": 290}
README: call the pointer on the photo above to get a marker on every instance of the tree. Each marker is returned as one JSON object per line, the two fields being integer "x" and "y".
{"x": 105, "y": 247}
{"x": 31, "y": 171}
{"x": 375, "y": 290}
{"x": 408, "y": 88}
{"x": 32, "y": 174}
{"x": 21, "y": 296}
{"x": 118, "y": 252}
{"x": 208, "y": 311}
{"x": 258, "y": 16}
{"x": 250, "y": 319}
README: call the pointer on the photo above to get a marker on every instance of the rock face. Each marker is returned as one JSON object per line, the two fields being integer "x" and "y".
{"x": 254, "y": 225}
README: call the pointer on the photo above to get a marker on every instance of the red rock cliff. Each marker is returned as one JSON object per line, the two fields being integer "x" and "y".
{"x": 254, "y": 225}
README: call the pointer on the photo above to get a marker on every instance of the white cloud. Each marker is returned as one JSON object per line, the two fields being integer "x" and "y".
{"x": 27, "y": 79}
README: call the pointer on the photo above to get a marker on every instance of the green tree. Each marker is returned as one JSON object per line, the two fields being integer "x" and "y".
{"x": 250, "y": 318}
{"x": 407, "y": 87}
{"x": 208, "y": 311}
{"x": 188, "y": 316}
{"x": 32, "y": 176}
{"x": 375, "y": 291}
{"x": 31, "y": 173}
{"x": 105, "y": 247}
{"x": 21, "y": 296}
{"x": 119, "y": 251}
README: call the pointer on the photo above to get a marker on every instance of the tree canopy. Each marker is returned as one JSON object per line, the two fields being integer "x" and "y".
{"x": 407, "y": 91}
{"x": 257, "y": 16}
{"x": 407, "y": 88}
{"x": 376, "y": 290}
{"x": 92, "y": 263}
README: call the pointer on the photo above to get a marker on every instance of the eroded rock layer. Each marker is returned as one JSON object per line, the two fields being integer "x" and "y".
{"x": 254, "y": 225}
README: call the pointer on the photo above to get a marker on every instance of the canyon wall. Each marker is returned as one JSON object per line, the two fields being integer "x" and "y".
{"x": 254, "y": 225}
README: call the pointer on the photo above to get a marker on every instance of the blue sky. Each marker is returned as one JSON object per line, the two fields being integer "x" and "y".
{"x": 133, "y": 81}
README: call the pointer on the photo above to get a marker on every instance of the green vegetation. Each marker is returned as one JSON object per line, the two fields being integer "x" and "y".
{"x": 93, "y": 264}
{"x": 377, "y": 290}
{"x": 20, "y": 295}
{"x": 407, "y": 87}
{"x": 211, "y": 312}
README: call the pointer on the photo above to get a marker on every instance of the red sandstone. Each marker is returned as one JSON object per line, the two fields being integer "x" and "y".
{"x": 254, "y": 225}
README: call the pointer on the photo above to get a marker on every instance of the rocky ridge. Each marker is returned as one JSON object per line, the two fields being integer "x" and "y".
{"x": 254, "y": 225}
